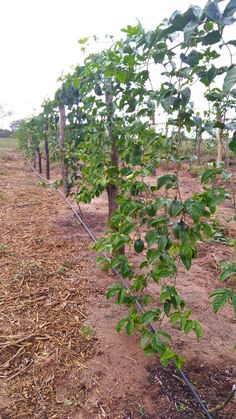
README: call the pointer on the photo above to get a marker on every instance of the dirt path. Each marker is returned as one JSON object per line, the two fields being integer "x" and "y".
{"x": 60, "y": 354}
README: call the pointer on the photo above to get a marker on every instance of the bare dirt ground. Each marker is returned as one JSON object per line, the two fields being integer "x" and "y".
{"x": 60, "y": 354}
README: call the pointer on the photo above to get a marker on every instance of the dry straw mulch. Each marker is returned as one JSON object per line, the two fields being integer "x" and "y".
{"x": 43, "y": 292}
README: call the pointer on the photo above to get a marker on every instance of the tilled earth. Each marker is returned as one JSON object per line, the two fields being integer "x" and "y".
{"x": 60, "y": 356}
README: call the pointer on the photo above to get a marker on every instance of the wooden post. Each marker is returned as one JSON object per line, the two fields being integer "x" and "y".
{"x": 219, "y": 134}
{"x": 112, "y": 190}
{"x": 33, "y": 153}
{"x": 47, "y": 157}
{"x": 226, "y": 147}
{"x": 39, "y": 160}
{"x": 198, "y": 148}
{"x": 219, "y": 145}
{"x": 64, "y": 173}
{"x": 153, "y": 125}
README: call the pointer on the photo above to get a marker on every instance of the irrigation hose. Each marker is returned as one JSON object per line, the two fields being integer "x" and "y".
{"x": 121, "y": 279}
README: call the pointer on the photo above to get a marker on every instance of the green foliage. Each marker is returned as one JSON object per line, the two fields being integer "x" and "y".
{"x": 3, "y": 246}
{"x": 210, "y": 174}
{"x": 230, "y": 80}
{"x": 222, "y": 296}
{"x": 5, "y": 133}
{"x": 232, "y": 144}
{"x": 110, "y": 142}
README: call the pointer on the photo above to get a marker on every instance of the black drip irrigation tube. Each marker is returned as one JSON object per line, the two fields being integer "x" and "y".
{"x": 121, "y": 279}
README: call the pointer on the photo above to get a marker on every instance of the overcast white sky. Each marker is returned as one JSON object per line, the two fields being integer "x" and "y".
{"x": 39, "y": 40}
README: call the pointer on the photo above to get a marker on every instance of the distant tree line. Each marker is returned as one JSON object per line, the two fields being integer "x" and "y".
{"x": 14, "y": 126}
{"x": 5, "y": 133}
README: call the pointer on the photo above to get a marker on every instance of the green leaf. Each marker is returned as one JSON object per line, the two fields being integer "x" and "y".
{"x": 188, "y": 326}
{"x": 167, "y": 307}
{"x": 209, "y": 127}
{"x": 121, "y": 324}
{"x": 193, "y": 58}
{"x": 234, "y": 302}
{"x": 127, "y": 49}
{"x": 166, "y": 103}
{"x": 198, "y": 329}
{"x": 176, "y": 208}
{"x": 98, "y": 90}
{"x": 179, "y": 361}
{"x": 186, "y": 255}
{"x": 165, "y": 295}
{"x": 211, "y": 38}
{"x": 150, "y": 316}
{"x": 229, "y": 80}
{"x": 121, "y": 76}
{"x": 167, "y": 356}
{"x": 185, "y": 93}
{"x": 228, "y": 272}
{"x": 83, "y": 41}
{"x": 190, "y": 29}
{"x": 113, "y": 290}
{"x": 232, "y": 42}
{"x": 149, "y": 350}
{"x": 219, "y": 124}
{"x": 158, "y": 56}
{"x": 178, "y": 22}
{"x": 213, "y": 12}
{"x": 163, "y": 333}
{"x": 132, "y": 105}
{"x": 219, "y": 302}
{"x": 221, "y": 291}
{"x": 132, "y": 30}
{"x": 222, "y": 296}
{"x": 207, "y": 229}
{"x": 128, "y": 227}
{"x": 175, "y": 317}
{"x": 151, "y": 238}
{"x": 129, "y": 326}
{"x": 145, "y": 340}
{"x": 166, "y": 180}
{"x": 232, "y": 123}
{"x": 207, "y": 77}
{"x": 210, "y": 173}
{"x": 232, "y": 143}
{"x": 230, "y": 8}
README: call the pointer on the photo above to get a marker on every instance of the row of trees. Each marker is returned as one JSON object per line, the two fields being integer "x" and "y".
{"x": 13, "y": 126}
{"x": 101, "y": 127}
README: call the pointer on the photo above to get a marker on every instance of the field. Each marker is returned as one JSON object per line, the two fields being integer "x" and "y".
{"x": 118, "y": 230}
{"x": 7, "y": 145}
{"x": 61, "y": 356}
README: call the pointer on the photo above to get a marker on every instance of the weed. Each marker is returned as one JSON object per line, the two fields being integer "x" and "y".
{"x": 141, "y": 410}
{"x": 3, "y": 246}
{"x": 195, "y": 171}
{"x": 219, "y": 234}
{"x": 181, "y": 407}
{"x": 67, "y": 264}
{"x": 87, "y": 332}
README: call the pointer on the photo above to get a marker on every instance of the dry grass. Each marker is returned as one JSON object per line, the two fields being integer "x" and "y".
{"x": 42, "y": 304}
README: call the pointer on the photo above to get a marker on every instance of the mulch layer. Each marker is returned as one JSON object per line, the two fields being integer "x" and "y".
{"x": 43, "y": 293}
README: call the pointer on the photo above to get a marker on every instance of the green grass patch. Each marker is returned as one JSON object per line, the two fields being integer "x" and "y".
{"x": 7, "y": 146}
